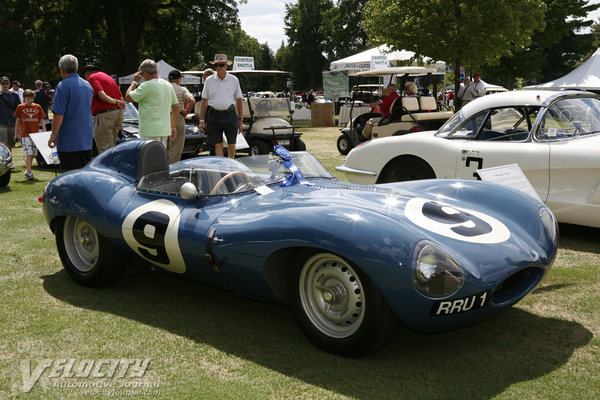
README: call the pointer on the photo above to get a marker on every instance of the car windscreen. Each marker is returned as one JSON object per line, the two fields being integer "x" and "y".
{"x": 221, "y": 175}
{"x": 570, "y": 117}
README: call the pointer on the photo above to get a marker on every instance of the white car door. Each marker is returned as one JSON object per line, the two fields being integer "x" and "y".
{"x": 574, "y": 144}
{"x": 500, "y": 137}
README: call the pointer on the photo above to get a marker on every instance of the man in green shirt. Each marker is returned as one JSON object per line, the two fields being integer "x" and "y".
{"x": 157, "y": 102}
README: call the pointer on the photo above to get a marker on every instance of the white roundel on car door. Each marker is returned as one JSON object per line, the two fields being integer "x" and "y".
{"x": 151, "y": 231}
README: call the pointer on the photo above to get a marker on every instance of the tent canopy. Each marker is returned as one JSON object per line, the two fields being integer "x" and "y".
{"x": 584, "y": 77}
{"x": 163, "y": 72}
{"x": 362, "y": 61}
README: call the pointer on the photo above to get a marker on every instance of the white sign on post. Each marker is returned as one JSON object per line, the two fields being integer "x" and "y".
{"x": 508, "y": 175}
{"x": 380, "y": 61}
{"x": 243, "y": 63}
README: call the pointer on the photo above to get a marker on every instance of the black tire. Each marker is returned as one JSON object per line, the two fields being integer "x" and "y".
{"x": 338, "y": 307}
{"x": 405, "y": 169}
{"x": 88, "y": 258}
{"x": 300, "y": 145}
{"x": 40, "y": 160}
{"x": 257, "y": 147}
{"x": 4, "y": 179}
{"x": 344, "y": 144}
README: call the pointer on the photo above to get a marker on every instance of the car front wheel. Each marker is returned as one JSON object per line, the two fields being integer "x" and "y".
{"x": 406, "y": 169}
{"x": 338, "y": 307}
{"x": 257, "y": 147}
{"x": 88, "y": 258}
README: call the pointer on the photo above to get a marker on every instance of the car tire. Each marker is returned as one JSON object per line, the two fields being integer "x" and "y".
{"x": 40, "y": 160}
{"x": 257, "y": 147}
{"x": 5, "y": 179}
{"x": 344, "y": 144}
{"x": 88, "y": 258}
{"x": 405, "y": 169}
{"x": 300, "y": 145}
{"x": 338, "y": 307}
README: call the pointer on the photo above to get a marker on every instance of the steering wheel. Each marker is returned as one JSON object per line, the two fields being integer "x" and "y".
{"x": 226, "y": 178}
{"x": 263, "y": 106}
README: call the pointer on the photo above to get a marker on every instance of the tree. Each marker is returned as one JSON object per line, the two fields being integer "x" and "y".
{"x": 114, "y": 34}
{"x": 469, "y": 32}
{"x": 554, "y": 51}
{"x": 342, "y": 25}
{"x": 302, "y": 22}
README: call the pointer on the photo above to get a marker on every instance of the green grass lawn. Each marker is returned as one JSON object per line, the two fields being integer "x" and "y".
{"x": 203, "y": 343}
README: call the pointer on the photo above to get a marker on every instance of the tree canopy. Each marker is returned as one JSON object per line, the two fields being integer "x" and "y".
{"x": 468, "y": 33}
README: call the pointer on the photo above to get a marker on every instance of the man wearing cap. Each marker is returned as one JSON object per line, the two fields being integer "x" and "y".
{"x": 478, "y": 86}
{"x": 107, "y": 107}
{"x": 157, "y": 101}
{"x": 72, "y": 127}
{"x": 16, "y": 88}
{"x": 8, "y": 104}
{"x": 186, "y": 104}
{"x": 221, "y": 91}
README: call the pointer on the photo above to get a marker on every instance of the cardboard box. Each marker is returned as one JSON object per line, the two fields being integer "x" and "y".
{"x": 321, "y": 114}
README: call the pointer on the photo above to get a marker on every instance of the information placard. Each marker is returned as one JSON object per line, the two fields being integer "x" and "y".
{"x": 508, "y": 175}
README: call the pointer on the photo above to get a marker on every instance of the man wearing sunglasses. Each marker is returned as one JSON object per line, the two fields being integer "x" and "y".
{"x": 8, "y": 104}
{"x": 221, "y": 96}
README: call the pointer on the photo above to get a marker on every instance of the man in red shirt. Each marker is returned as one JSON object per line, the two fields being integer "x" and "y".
{"x": 107, "y": 107}
{"x": 391, "y": 94}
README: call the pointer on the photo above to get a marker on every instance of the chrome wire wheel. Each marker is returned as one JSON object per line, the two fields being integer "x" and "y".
{"x": 332, "y": 295}
{"x": 81, "y": 244}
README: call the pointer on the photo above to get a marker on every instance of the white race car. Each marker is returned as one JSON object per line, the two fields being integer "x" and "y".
{"x": 554, "y": 137}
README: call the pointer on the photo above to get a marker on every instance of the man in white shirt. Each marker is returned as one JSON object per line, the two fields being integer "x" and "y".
{"x": 16, "y": 88}
{"x": 478, "y": 86}
{"x": 221, "y": 96}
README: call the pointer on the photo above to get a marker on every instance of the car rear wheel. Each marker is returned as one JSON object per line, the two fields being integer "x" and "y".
{"x": 406, "y": 169}
{"x": 88, "y": 258}
{"x": 338, "y": 307}
{"x": 344, "y": 145}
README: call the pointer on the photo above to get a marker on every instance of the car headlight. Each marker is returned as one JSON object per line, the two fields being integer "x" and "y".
{"x": 436, "y": 273}
{"x": 549, "y": 222}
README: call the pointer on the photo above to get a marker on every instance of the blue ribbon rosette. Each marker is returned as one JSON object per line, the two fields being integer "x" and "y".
{"x": 297, "y": 175}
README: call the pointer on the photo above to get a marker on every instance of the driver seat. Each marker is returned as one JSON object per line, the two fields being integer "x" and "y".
{"x": 152, "y": 158}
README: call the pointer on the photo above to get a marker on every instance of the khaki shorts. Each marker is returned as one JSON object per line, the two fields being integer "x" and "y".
{"x": 7, "y": 135}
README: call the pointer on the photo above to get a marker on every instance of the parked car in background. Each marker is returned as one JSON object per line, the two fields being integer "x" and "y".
{"x": 195, "y": 139}
{"x": 554, "y": 137}
{"x": 5, "y": 165}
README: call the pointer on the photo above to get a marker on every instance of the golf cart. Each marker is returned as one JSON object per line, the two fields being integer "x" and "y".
{"x": 408, "y": 113}
{"x": 267, "y": 119}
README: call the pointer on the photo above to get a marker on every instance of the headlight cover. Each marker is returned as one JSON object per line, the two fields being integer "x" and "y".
{"x": 436, "y": 274}
{"x": 549, "y": 222}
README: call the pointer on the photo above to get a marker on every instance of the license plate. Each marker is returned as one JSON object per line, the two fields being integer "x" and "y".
{"x": 456, "y": 306}
{"x": 283, "y": 142}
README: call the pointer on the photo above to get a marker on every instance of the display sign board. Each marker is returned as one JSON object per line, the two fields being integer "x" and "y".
{"x": 243, "y": 63}
{"x": 40, "y": 140}
{"x": 335, "y": 84}
{"x": 508, "y": 175}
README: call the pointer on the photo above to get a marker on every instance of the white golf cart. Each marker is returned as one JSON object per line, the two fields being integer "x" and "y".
{"x": 408, "y": 113}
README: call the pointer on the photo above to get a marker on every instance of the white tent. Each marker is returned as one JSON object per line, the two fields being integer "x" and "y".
{"x": 362, "y": 61}
{"x": 584, "y": 77}
{"x": 163, "y": 72}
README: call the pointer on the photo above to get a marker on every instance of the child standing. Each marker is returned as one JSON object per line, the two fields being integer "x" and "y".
{"x": 29, "y": 117}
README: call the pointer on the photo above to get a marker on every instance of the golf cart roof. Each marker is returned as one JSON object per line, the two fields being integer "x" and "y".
{"x": 413, "y": 71}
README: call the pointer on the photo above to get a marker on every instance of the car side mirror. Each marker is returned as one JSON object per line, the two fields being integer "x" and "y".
{"x": 188, "y": 191}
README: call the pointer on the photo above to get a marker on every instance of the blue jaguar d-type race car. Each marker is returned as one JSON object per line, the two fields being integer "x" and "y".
{"x": 352, "y": 262}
